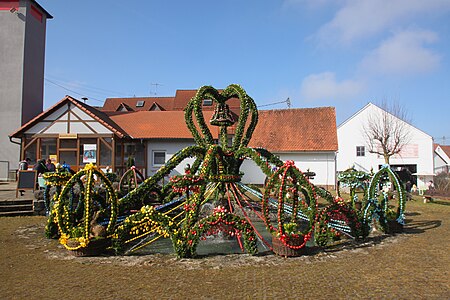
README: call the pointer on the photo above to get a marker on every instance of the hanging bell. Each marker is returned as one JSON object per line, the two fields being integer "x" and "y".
{"x": 222, "y": 115}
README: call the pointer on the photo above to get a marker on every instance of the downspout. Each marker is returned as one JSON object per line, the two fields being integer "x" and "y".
{"x": 14, "y": 142}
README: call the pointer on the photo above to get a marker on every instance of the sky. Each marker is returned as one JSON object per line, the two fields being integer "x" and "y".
{"x": 341, "y": 53}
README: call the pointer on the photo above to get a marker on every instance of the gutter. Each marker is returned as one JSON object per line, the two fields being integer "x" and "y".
{"x": 14, "y": 142}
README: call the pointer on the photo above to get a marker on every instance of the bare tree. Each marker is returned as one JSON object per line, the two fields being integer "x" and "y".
{"x": 387, "y": 131}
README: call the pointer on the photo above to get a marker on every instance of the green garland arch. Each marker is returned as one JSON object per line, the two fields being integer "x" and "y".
{"x": 65, "y": 218}
{"x": 381, "y": 207}
{"x": 289, "y": 178}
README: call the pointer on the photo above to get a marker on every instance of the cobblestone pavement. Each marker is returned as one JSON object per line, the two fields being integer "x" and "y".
{"x": 412, "y": 265}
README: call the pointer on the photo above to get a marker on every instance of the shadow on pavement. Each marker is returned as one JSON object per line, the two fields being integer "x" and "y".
{"x": 416, "y": 227}
{"x": 356, "y": 244}
{"x": 412, "y": 214}
{"x": 441, "y": 202}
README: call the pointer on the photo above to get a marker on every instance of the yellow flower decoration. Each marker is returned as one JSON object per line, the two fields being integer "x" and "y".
{"x": 89, "y": 166}
{"x": 63, "y": 239}
{"x": 83, "y": 242}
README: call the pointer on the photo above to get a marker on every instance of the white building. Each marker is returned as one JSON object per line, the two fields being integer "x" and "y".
{"x": 416, "y": 158}
{"x": 441, "y": 159}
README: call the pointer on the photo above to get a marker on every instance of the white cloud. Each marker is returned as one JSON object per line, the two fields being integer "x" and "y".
{"x": 356, "y": 20}
{"x": 324, "y": 86}
{"x": 403, "y": 54}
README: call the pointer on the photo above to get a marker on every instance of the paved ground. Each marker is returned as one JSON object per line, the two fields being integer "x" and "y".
{"x": 8, "y": 192}
{"x": 412, "y": 265}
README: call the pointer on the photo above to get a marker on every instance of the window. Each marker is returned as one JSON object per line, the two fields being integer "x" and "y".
{"x": 48, "y": 147}
{"x": 68, "y": 157}
{"x": 140, "y": 103}
{"x": 159, "y": 158}
{"x": 136, "y": 151}
{"x": 105, "y": 154}
{"x": 30, "y": 152}
{"x": 360, "y": 151}
{"x": 207, "y": 102}
{"x": 68, "y": 143}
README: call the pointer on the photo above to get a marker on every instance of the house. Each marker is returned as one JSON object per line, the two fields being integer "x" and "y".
{"x": 305, "y": 135}
{"x": 414, "y": 162}
{"x": 152, "y": 129}
{"x": 441, "y": 159}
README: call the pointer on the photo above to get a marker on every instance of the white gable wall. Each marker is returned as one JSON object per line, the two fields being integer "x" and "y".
{"x": 171, "y": 147}
{"x": 76, "y": 126}
{"x": 321, "y": 163}
{"x": 350, "y": 135}
{"x": 441, "y": 160}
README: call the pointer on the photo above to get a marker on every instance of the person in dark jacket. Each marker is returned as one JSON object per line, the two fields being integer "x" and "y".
{"x": 50, "y": 166}
{"x": 40, "y": 167}
{"x": 23, "y": 165}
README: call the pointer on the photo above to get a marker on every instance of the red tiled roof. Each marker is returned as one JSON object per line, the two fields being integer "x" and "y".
{"x": 124, "y": 105}
{"x": 177, "y": 103}
{"x": 303, "y": 129}
{"x": 158, "y": 124}
{"x": 307, "y": 129}
{"x": 112, "y": 104}
{"x": 446, "y": 149}
{"x": 182, "y": 98}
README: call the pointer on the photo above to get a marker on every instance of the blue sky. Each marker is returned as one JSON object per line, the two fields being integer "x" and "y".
{"x": 316, "y": 52}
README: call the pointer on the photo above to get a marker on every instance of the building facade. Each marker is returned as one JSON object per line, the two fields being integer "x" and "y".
{"x": 22, "y": 53}
{"x": 441, "y": 159}
{"x": 152, "y": 130}
{"x": 414, "y": 162}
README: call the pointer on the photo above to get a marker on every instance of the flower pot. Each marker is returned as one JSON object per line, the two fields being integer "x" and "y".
{"x": 281, "y": 249}
{"x": 94, "y": 248}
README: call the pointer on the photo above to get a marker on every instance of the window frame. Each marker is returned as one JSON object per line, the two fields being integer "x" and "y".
{"x": 154, "y": 164}
{"x": 360, "y": 151}
{"x": 207, "y": 102}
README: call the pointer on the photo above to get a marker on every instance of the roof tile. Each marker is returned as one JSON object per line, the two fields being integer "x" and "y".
{"x": 158, "y": 124}
{"x": 302, "y": 129}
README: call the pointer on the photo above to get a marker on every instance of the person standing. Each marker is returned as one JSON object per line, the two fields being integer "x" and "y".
{"x": 23, "y": 165}
{"x": 40, "y": 167}
{"x": 50, "y": 166}
{"x": 408, "y": 186}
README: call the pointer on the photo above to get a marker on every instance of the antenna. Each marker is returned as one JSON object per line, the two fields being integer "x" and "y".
{"x": 287, "y": 101}
{"x": 84, "y": 99}
{"x": 156, "y": 88}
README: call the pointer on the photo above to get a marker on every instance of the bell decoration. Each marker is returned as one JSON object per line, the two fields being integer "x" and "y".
{"x": 222, "y": 116}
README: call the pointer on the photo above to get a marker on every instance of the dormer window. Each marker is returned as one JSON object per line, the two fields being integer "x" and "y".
{"x": 207, "y": 102}
{"x": 140, "y": 103}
